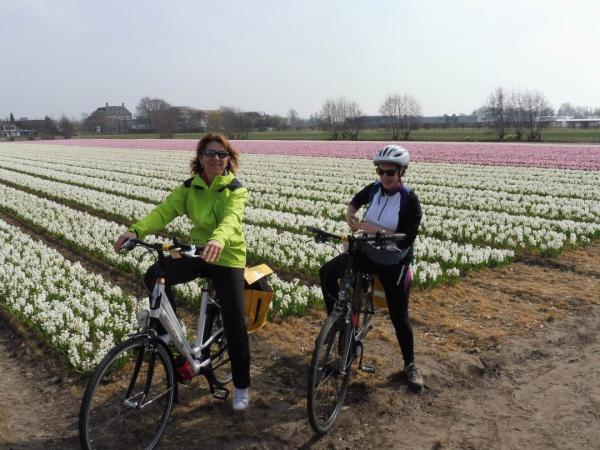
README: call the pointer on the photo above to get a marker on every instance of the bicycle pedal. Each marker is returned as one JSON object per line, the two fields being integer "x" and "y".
{"x": 221, "y": 394}
{"x": 367, "y": 368}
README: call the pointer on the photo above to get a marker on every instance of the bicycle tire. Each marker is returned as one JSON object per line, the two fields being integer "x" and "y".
{"x": 114, "y": 413}
{"x": 219, "y": 356}
{"x": 324, "y": 401}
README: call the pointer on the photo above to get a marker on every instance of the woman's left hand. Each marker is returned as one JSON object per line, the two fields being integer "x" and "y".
{"x": 366, "y": 227}
{"x": 212, "y": 251}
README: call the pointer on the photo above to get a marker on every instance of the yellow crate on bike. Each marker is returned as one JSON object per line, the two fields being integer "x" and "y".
{"x": 379, "y": 300}
{"x": 257, "y": 296}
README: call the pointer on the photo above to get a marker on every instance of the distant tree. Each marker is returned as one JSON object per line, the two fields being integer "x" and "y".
{"x": 401, "y": 113}
{"x": 214, "y": 121}
{"x": 277, "y": 122}
{"x": 66, "y": 127}
{"x": 578, "y": 112}
{"x": 566, "y": 109}
{"x": 537, "y": 112}
{"x": 236, "y": 123}
{"x": 515, "y": 113}
{"x": 158, "y": 115}
{"x": 596, "y": 112}
{"x": 341, "y": 117}
{"x": 12, "y": 118}
{"x": 496, "y": 112}
{"x": 49, "y": 128}
{"x": 293, "y": 119}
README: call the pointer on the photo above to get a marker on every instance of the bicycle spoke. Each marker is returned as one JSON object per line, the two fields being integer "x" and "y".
{"x": 129, "y": 400}
{"x": 327, "y": 384}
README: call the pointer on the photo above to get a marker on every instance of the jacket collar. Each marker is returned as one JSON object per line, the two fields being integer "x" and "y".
{"x": 218, "y": 182}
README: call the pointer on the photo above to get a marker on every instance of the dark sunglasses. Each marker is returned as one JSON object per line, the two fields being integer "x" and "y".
{"x": 388, "y": 172}
{"x": 221, "y": 154}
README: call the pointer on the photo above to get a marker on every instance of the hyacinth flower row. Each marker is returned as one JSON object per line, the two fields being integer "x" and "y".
{"x": 579, "y": 157}
{"x": 148, "y": 164}
{"x": 284, "y": 249}
{"x": 79, "y": 313}
{"x": 565, "y": 207}
{"x": 265, "y": 195}
{"x": 484, "y": 237}
{"x": 173, "y": 164}
{"x": 94, "y": 236}
{"x": 288, "y": 251}
{"x": 466, "y": 226}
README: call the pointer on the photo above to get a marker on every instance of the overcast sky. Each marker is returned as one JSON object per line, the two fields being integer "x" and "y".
{"x": 71, "y": 56}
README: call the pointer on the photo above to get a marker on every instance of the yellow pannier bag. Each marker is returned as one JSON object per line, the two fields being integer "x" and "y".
{"x": 257, "y": 296}
{"x": 379, "y": 300}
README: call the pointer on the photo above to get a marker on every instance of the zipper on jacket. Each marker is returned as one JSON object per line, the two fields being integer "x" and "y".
{"x": 386, "y": 202}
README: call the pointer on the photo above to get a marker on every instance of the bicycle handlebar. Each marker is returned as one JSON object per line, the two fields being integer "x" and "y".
{"x": 324, "y": 236}
{"x": 188, "y": 250}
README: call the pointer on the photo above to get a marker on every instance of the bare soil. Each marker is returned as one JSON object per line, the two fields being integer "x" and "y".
{"x": 510, "y": 357}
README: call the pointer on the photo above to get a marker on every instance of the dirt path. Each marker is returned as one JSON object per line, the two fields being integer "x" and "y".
{"x": 511, "y": 359}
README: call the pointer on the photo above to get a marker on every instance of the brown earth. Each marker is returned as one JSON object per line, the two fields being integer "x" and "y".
{"x": 510, "y": 356}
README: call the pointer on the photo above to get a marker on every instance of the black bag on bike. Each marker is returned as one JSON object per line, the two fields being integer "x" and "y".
{"x": 384, "y": 255}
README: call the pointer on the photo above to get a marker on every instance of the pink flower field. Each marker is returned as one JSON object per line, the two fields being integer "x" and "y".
{"x": 580, "y": 157}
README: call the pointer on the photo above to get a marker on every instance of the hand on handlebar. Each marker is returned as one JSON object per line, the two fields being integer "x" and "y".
{"x": 212, "y": 251}
{"x": 366, "y": 227}
{"x": 121, "y": 240}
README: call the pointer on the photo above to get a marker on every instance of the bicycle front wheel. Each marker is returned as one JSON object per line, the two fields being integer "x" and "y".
{"x": 217, "y": 350}
{"x": 128, "y": 400}
{"x": 327, "y": 384}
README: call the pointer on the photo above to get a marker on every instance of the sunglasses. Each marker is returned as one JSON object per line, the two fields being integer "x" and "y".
{"x": 388, "y": 172}
{"x": 221, "y": 154}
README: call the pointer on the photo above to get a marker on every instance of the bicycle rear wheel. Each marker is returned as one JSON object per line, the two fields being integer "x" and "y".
{"x": 128, "y": 401}
{"x": 327, "y": 384}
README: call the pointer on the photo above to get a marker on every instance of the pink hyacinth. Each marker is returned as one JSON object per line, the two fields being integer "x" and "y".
{"x": 568, "y": 156}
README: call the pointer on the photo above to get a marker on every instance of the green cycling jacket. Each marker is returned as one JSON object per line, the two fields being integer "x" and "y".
{"x": 216, "y": 212}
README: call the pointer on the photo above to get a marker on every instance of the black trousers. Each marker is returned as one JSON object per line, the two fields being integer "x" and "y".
{"x": 229, "y": 285}
{"x": 396, "y": 291}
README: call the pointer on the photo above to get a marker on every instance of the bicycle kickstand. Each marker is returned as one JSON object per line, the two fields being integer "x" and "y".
{"x": 364, "y": 367}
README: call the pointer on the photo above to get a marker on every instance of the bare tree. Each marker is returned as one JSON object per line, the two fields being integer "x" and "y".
{"x": 49, "y": 129}
{"x": 158, "y": 115}
{"x": 497, "y": 112}
{"x": 566, "y": 109}
{"x": 342, "y": 118}
{"x": 293, "y": 119}
{"x": 214, "y": 121}
{"x": 66, "y": 127}
{"x": 537, "y": 110}
{"x": 401, "y": 113}
{"x": 236, "y": 123}
{"x": 515, "y": 113}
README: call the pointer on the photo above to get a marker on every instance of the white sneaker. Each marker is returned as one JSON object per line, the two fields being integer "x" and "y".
{"x": 241, "y": 399}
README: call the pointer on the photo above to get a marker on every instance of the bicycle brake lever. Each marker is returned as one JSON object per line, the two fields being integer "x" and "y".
{"x": 193, "y": 252}
{"x": 128, "y": 245}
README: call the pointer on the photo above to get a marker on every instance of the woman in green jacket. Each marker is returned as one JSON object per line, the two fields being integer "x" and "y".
{"x": 214, "y": 201}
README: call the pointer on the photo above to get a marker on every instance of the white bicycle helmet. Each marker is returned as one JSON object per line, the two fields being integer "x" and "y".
{"x": 393, "y": 154}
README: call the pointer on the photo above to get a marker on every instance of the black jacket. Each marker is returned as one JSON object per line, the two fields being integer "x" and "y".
{"x": 409, "y": 215}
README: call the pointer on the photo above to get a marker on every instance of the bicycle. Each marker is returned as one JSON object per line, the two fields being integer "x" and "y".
{"x": 129, "y": 399}
{"x": 340, "y": 340}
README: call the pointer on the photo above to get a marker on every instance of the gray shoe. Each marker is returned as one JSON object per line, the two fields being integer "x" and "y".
{"x": 413, "y": 376}
{"x": 241, "y": 399}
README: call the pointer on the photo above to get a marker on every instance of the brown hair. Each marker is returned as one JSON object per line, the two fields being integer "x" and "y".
{"x": 233, "y": 162}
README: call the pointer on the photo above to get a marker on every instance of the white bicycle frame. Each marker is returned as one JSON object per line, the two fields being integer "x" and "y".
{"x": 164, "y": 313}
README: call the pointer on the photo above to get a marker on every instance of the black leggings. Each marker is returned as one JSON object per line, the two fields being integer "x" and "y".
{"x": 393, "y": 280}
{"x": 229, "y": 285}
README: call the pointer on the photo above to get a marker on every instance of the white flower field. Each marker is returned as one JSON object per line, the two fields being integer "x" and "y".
{"x": 473, "y": 216}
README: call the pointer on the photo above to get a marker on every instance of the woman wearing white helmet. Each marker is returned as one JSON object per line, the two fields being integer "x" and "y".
{"x": 391, "y": 208}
